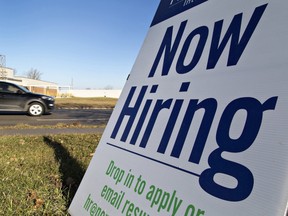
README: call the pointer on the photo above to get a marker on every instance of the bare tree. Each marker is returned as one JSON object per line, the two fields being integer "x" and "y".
{"x": 34, "y": 74}
{"x": 108, "y": 87}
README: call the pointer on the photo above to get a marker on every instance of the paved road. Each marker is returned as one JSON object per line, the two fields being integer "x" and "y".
{"x": 84, "y": 117}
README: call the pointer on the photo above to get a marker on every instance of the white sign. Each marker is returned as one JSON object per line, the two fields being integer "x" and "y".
{"x": 201, "y": 125}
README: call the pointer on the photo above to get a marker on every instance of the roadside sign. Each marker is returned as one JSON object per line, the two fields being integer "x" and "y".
{"x": 201, "y": 125}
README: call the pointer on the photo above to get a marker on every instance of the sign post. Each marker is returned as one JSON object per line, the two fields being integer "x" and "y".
{"x": 201, "y": 124}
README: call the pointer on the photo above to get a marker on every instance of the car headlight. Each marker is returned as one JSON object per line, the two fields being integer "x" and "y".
{"x": 47, "y": 98}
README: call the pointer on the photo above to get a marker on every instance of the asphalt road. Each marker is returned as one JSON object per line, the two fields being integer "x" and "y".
{"x": 69, "y": 116}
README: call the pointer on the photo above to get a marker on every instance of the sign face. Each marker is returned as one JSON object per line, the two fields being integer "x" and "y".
{"x": 201, "y": 125}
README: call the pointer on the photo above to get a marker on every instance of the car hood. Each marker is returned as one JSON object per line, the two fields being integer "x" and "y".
{"x": 38, "y": 95}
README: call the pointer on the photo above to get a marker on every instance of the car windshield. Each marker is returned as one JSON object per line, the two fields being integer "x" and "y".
{"x": 23, "y": 89}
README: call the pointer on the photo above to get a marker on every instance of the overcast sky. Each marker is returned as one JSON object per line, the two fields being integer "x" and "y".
{"x": 90, "y": 43}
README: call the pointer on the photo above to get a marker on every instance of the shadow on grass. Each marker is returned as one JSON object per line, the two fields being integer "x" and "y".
{"x": 70, "y": 170}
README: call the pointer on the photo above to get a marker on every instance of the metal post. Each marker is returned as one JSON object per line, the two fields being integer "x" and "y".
{"x": 3, "y": 72}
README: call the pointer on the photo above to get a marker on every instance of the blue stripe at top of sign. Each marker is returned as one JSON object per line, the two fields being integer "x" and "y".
{"x": 170, "y": 8}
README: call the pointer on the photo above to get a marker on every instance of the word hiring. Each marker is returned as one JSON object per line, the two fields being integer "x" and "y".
{"x": 172, "y": 107}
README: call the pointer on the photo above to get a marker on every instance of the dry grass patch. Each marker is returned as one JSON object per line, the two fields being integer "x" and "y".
{"x": 91, "y": 103}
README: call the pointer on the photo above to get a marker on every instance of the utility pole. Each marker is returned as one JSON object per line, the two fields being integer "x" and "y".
{"x": 3, "y": 73}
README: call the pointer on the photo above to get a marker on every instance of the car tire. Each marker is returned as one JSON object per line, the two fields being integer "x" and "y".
{"x": 35, "y": 109}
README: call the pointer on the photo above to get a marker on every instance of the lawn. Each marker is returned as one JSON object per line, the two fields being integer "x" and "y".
{"x": 40, "y": 174}
{"x": 74, "y": 102}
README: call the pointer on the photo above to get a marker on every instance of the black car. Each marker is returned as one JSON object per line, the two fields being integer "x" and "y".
{"x": 17, "y": 98}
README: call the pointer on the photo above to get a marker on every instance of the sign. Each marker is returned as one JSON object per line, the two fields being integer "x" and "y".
{"x": 201, "y": 125}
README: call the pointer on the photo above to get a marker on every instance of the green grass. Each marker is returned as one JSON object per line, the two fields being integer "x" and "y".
{"x": 40, "y": 174}
{"x": 57, "y": 126}
{"x": 74, "y": 102}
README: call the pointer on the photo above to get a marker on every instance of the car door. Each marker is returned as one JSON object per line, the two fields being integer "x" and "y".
{"x": 2, "y": 102}
{"x": 10, "y": 98}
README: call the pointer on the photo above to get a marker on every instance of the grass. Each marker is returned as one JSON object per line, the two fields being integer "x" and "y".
{"x": 40, "y": 174}
{"x": 57, "y": 126}
{"x": 74, "y": 102}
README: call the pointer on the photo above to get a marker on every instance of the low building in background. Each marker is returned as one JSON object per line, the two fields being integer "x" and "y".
{"x": 109, "y": 93}
{"x": 53, "y": 89}
{"x": 36, "y": 86}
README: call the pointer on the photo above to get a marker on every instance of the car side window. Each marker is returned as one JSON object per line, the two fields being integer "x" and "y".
{"x": 14, "y": 89}
{"x": 4, "y": 88}
{"x": 7, "y": 88}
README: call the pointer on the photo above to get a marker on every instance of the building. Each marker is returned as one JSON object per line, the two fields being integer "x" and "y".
{"x": 36, "y": 86}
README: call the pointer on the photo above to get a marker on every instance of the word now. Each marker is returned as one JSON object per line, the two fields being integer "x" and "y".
{"x": 217, "y": 47}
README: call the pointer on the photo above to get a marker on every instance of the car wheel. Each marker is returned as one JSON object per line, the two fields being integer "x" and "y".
{"x": 35, "y": 109}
